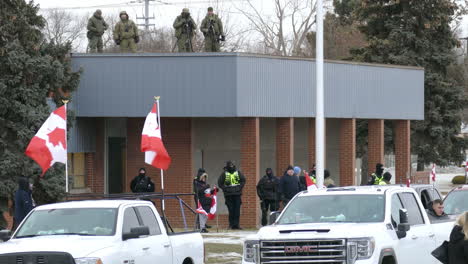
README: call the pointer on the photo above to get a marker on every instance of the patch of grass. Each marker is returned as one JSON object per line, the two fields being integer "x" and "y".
{"x": 223, "y": 253}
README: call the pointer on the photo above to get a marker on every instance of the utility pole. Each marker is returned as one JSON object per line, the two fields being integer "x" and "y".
{"x": 319, "y": 113}
{"x": 146, "y": 17}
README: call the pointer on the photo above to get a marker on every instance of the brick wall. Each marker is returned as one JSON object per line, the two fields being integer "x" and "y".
{"x": 284, "y": 144}
{"x": 311, "y": 142}
{"x": 250, "y": 160}
{"x": 347, "y": 152}
{"x": 402, "y": 150}
{"x": 375, "y": 143}
{"x": 97, "y": 178}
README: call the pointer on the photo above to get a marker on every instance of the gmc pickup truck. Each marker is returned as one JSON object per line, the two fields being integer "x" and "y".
{"x": 349, "y": 225}
{"x": 99, "y": 232}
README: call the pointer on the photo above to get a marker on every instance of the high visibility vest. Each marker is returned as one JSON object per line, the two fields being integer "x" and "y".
{"x": 314, "y": 181}
{"x": 232, "y": 178}
{"x": 377, "y": 179}
{"x": 382, "y": 183}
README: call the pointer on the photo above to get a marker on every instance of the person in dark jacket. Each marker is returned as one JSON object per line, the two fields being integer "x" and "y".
{"x": 267, "y": 191}
{"x": 142, "y": 183}
{"x": 203, "y": 194}
{"x": 458, "y": 244}
{"x": 288, "y": 186}
{"x": 23, "y": 201}
{"x": 436, "y": 211}
{"x": 232, "y": 181}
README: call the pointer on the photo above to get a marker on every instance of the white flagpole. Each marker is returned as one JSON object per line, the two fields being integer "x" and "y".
{"x": 66, "y": 147}
{"x": 162, "y": 171}
{"x": 319, "y": 113}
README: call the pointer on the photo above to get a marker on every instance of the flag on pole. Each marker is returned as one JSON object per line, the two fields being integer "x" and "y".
{"x": 49, "y": 145}
{"x": 433, "y": 172}
{"x": 212, "y": 214}
{"x": 151, "y": 142}
{"x": 309, "y": 182}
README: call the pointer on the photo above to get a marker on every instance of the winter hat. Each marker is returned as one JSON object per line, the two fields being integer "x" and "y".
{"x": 200, "y": 173}
{"x": 185, "y": 10}
{"x": 297, "y": 170}
{"x": 210, "y": 9}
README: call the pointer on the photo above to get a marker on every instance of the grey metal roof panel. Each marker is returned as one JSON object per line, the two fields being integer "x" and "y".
{"x": 233, "y": 85}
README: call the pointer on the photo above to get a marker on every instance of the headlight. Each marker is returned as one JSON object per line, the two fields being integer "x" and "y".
{"x": 360, "y": 248}
{"x": 251, "y": 250}
{"x": 88, "y": 261}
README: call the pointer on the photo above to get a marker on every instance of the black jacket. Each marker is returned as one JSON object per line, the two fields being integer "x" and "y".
{"x": 289, "y": 186}
{"x": 231, "y": 190}
{"x": 142, "y": 184}
{"x": 267, "y": 188}
{"x": 458, "y": 247}
{"x": 200, "y": 187}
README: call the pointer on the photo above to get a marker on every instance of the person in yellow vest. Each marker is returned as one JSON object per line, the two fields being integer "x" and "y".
{"x": 387, "y": 176}
{"x": 232, "y": 181}
{"x": 377, "y": 176}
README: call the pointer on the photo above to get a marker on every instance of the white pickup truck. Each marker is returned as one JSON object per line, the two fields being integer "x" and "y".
{"x": 99, "y": 232}
{"x": 350, "y": 225}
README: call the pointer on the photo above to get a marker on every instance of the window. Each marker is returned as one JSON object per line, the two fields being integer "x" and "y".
{"x": 396, "y": 206}
{"x": 149, "y": 220}
{"x": 130, "y": 220}
{"x": 414, "y": 212}
{"x": 76, "y": 169}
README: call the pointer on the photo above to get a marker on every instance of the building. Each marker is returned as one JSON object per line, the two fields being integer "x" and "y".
{"x": 255, "y": 110}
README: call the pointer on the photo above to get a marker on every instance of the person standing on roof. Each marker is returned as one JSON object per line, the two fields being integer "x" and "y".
{"x": 126, "y": 34}
{"x": 96, "y": 28}
{"x": 212, "y": 29}
{"x": 185, "y": 27}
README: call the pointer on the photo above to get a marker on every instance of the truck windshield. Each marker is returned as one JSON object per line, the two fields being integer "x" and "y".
{"x": 71, "y": 221}
{"x": 334, "y": 208}
{"x": 456, "y": 202}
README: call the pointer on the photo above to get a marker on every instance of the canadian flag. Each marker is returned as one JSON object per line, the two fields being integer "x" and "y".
{"x": 433, "y": 172}
{"x": 212, "y": 214}
{"x": 49, "y": 145}
{"x": 151, "y": 143}
{"x": 309, "y": 182}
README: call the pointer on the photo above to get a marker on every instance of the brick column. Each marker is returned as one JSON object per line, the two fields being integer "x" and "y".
{"x": 98, "y": 181}
{"x": 284, "y": 144}
{"x": 250, "y": 162}
{"x": 347, "y": 152}
{"x": 311, "y": 142}
{"x": 375, "y": 143}
{"x": 402, "y": 150}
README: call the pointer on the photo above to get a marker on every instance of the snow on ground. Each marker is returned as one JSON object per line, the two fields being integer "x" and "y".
{"x": 225, "y": 247}
{"x": 227, "y": 237}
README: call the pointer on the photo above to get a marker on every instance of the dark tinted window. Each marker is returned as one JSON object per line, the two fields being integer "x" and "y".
{"x": 130, "y": 220}
{"x": 149, "y": 219}
{"x": 414, "y": 212}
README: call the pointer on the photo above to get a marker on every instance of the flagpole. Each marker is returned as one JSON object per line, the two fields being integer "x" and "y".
{"x": 66, "y": 147}
{"x": 163, "y": 205}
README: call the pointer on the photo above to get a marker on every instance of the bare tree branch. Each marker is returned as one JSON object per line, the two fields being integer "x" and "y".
{"x": 63, "y": 27}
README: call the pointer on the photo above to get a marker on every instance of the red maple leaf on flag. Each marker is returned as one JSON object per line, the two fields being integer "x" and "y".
{"x": 57, "y": 136}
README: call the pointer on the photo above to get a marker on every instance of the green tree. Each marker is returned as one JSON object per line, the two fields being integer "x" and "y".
{"x": 419, "y": 33}
{"x": 30, "y": 70}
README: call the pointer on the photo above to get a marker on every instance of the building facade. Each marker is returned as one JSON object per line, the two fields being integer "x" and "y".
{"x": 257, "y": 111}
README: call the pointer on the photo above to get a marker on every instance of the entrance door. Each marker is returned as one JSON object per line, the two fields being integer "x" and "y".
{"x": 116, "y": 164}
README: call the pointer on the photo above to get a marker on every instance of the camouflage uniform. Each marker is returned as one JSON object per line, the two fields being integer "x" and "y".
{"x": 126, "y": 34}
{"x": 96, "y": 27}
{"x": 212, "y": 29}
{"x": 185, "y": 28}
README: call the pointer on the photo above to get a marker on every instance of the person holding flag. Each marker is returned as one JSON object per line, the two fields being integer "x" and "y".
{"x": 206, "y": 201}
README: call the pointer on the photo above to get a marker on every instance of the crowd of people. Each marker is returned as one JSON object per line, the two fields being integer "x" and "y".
{"x": 126, "y": 35}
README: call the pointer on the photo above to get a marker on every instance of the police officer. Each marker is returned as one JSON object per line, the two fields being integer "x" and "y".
{"x": 142, "y": 183}
{"x": 212, "y": 29}
{"x": 385, "y": 178}
{"x": 126, "y": 34}
{"x": 267, "y": 191}
{"x": 377, "y": 176}
{"x": 231, "y": 181}
{"x": 96, "y": 27}
{"x": 185, "y": 28}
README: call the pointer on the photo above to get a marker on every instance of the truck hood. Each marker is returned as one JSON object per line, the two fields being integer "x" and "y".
{"x": 319, "y": 230}
{"x": 77, "y": 246}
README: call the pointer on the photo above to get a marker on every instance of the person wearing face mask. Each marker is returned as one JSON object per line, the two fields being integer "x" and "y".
{"x": 126, "y": 34}
{"x": 232, "y": 181}
{"x": 377, "y": 176}
{"x": 96, "y": 28}
{"x": 142, "y": 183}
{"x": 185, "y": 28}
{"x": 267, "y": 191}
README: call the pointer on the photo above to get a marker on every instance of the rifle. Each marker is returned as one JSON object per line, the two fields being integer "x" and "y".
{"x": 211, "y": 32}
{"x": 188, "y": 31}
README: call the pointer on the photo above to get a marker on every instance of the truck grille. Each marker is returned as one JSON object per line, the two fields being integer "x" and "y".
{"x": 303, "y": 251}
{"x": 37, "y": 258}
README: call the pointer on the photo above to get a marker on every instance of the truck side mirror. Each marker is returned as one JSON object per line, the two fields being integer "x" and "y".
{"x": 5, "y": 235}
{"x": 403, "y": 226}
{"x": 136, "y": 232}
{"x": 273, "y": 216}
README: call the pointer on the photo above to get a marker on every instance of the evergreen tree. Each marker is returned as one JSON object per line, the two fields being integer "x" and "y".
{"x": 30, "y": 70}
{"x": 418, "y": 33}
